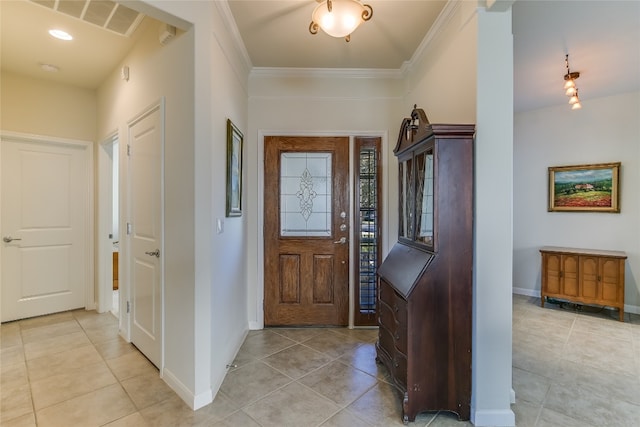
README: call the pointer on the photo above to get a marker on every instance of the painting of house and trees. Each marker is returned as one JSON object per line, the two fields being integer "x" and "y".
{"x": 591, "y": 188}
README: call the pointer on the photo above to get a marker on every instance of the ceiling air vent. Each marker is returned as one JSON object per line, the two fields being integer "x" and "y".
{"x": 106, "y": 14}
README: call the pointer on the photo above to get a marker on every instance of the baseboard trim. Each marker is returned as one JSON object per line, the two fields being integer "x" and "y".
{"x": 493, "y": 418}
{"x": 631, "y": 309}
{"x": 255, "y": 326}
{"x": 526, "y": 292}
{"x": 193, "y": 401}
{"x": 202, "y": 399}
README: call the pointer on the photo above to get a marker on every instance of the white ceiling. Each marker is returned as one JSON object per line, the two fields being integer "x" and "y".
{"x": 276, "y": 34}
{"x": 602, "y": 38}
{"x": 84, "y": 62}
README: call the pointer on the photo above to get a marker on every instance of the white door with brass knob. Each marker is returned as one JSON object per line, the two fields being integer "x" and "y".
{"x": 45, "y": 215}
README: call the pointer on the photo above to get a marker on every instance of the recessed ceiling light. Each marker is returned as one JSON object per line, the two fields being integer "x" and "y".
{"x": 50, "y": 68}
{"x": 59, "y": 34}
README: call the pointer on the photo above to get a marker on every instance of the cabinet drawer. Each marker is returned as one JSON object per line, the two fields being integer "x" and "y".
{"x": 400, "y": 368}
{"x": 386, "y": 341}
{"x": 395, "y": 327}
{"x": 386, "y": 318}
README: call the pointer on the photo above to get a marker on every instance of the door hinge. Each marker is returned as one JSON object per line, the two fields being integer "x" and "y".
{"x": 128, "y": 150}
{"x": 128, "y": 307}
{"x": 129, "y": 227}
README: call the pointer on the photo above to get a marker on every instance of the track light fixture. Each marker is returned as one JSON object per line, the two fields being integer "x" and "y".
{"x": 339, "y": 18}
{"x": 571, "y": 90}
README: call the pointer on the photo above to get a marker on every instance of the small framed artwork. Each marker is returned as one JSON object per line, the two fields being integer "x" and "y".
{"x": 234, "y": 170}
{"x": 584, "y": 188}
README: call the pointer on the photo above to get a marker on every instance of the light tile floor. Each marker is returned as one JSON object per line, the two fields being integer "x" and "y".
{"x": 72, "y": 369}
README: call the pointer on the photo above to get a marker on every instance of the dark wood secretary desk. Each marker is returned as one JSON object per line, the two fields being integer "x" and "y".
{"x": 425, "y": 282}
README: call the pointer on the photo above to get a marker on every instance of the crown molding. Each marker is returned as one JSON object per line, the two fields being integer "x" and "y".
{"x": 363, "y": 73}
{"x": 230, "y": 23}
{"x": 441, "y": 21}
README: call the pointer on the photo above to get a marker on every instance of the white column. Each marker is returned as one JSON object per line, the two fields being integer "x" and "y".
{"x": 492, "y": 317}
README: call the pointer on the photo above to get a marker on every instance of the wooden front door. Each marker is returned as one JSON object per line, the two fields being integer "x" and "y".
{"x": 306, "y": 230}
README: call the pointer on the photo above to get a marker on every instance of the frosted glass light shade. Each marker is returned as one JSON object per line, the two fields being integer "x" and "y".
{"x": 344, "y": 18}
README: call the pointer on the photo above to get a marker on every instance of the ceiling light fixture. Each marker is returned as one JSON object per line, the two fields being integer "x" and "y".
{"x": 62, "y": 35}
{"x": 339, "y": 18}
{"x": 571, "y": 90}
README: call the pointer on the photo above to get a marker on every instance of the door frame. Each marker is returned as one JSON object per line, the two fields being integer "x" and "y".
{"x": 89, "y": 211}
{"x": 105, "y": 220}
{"x": 258, "y": 323}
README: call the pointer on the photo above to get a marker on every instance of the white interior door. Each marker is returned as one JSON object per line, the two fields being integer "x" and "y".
{"x": 45, "y": 210}
{"x": 146, "y": 136}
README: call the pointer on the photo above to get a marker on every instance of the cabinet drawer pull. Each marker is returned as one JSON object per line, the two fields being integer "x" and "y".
{"x": 395, "y": 308}
{"x": 397, "y": 337}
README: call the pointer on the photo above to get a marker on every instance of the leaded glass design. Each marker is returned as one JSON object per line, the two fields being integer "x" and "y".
{"x": 305, "y": 194}
{"x": 425, "y": 198}
{"x": 368, "y": 242}
{"x": 409, "y": 199}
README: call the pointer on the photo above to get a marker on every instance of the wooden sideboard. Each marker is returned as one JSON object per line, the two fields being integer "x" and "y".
{"x": 584, "y": 276}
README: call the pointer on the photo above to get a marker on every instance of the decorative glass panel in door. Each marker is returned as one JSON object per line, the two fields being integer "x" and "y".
{"x": 305, "y": 194}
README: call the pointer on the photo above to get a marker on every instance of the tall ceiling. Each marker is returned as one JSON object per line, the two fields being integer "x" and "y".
{"x": 276, "y": 34}
{"x": 601, "y": 37}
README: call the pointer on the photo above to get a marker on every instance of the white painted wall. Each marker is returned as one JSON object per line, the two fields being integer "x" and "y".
{"x": 40, "y": 107}
{"x": 604, "y": 130}
{"x": 442, "y": 79}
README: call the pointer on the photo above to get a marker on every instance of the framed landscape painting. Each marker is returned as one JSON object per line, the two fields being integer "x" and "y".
{"x": 584, "y": 188}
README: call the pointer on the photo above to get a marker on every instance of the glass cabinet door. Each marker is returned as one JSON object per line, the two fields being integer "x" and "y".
{"x": 424, "y": 198}
{"x": 407, "y": 199}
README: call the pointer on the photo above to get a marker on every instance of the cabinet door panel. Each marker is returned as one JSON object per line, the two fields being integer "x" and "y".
{"x": 610, "y": 277}
{"x": 552, "y": 263}
{"x": 589, "y": 277}
{"x": 570, "y": 275}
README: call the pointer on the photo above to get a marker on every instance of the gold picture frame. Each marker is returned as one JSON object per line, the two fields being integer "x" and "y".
{"x": 234, "y": 170}
{"x": 585, "y": 188}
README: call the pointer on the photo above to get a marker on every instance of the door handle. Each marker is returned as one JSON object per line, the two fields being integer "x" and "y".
{"x": 9, "y": 239}
{"x": 155, "y": 253}
{"x": 342, "y": 241}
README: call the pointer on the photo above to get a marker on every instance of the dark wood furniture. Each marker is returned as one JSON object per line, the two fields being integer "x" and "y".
{"x": 584, "y": 276}
{"x": 425, "y": 282}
